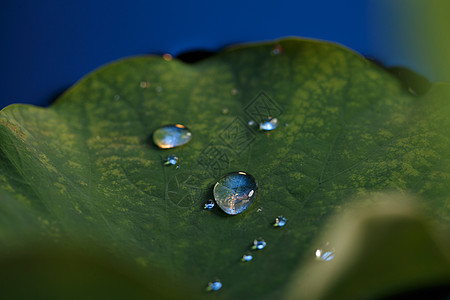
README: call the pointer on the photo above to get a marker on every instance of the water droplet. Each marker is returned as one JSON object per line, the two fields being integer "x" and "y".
{"x": 235, "y": 192}
{"x": 326, "y": 253}
{"x": 259, "y": 209}
{"x": 277, "y": 49}
{"x": 287, "y": 124}
{"x": 247, "y": 257}
{"x": 280, "y": 221}
{"x": 171, "y": 136}
{"x": 225, "y": 110}
{"x": 116, "y": 97}
{"x": 251, "y": 123}
{"x": 214, "y": 285}
{"x": 209, "y": 204}
{"x": 259, "y": 244}
{"x": 268, "y": 124}
{"x": 171, "y": 160}
{"x": 144, "y": 84}
{"x": 234, "y": 92}
{"x": 167, "y": 57}
{"x": 159, "y": 89}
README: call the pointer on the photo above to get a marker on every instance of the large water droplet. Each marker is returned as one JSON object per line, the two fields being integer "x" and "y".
{"x": 214, "y": 285}
{"x": 280, "y": 221}
{"x": 268, "y": 124}
{"x": 259, "y": 244}
{"x": 171, "y": 136}
{"x": 235, "y": 192}
{"x": 326, "y": 253}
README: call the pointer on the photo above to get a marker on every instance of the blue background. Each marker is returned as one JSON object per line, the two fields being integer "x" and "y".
{"x": 47, "y": 45}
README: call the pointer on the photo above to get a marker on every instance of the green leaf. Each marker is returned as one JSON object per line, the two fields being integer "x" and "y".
{"x": 62, "y": 273}
{"x": 382, "y": 251}
{"x": 85, "y": 168}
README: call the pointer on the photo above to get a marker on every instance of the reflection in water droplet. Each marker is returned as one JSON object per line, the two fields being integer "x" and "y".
{"x": 144, "y": 84}
{"x": 259, "y": 209}
{"x": 235, "y": 192}
{"x": 209, "y": 204}
{"x": 225, "y": 111}
{"x": 171, "y": 160}
{"x": 214, "y": 285}
{"x": 269, "y": 124}
{"x": 251, "y": 123}
{"x": 277, "y": 49}
{"x": 326, "y": 253}
{"x": 280, "y": 221}
{"x": 167, "y": 57}
{"x": 259, "y": 244}
{"x": 171, "y": 136}
{"x": 247, "y": 257}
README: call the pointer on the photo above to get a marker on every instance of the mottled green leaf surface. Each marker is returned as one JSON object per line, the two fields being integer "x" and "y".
{"x": 85, "y": 168}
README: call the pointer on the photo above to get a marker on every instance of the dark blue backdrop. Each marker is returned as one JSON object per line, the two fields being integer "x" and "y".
{"x": 48, "y": 45}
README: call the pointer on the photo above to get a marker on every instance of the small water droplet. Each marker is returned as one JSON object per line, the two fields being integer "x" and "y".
{"x": 234, "y": 92}
{"x": 235, "y": 192}
{"x": 116, "y": 97}
{"x": 259, "y": 209}
{"x": 251, "y": 123}
{"x": 326, "y": 253}
{"x": 268, "y": 124}
{"x": 171, "y": 136}
{"x": 167, "y": 57}
{"x": 280, "y": 221}
{"x": 178, "y": 167}
{"x": 287, "y": 124}
{"x": 247, "y": 257}
{"x": 144, "y": 84}
{"x": 276, "y": 50}
{"x": 209, "y": 204}
{"x": 159, "y": 89}
{"x": 171, "y": 160}
{"x": 259, "y": 244}
{"x": 225, "y": 110}
{"x": 214, "y": 285}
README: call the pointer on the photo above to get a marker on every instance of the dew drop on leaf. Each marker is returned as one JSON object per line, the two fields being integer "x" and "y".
{"x": 247, "y": 257}
{"x": 209, "y": 204}
{"x": 268, "y": 124}
{"x": 280, "y": 221}
{"x": 171, "y": 136}
{"x": 235, "y": 192}
{"x": 259, "y": 244}
{"x": 214, "y": 285}
{"x": 171, "y": 160}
